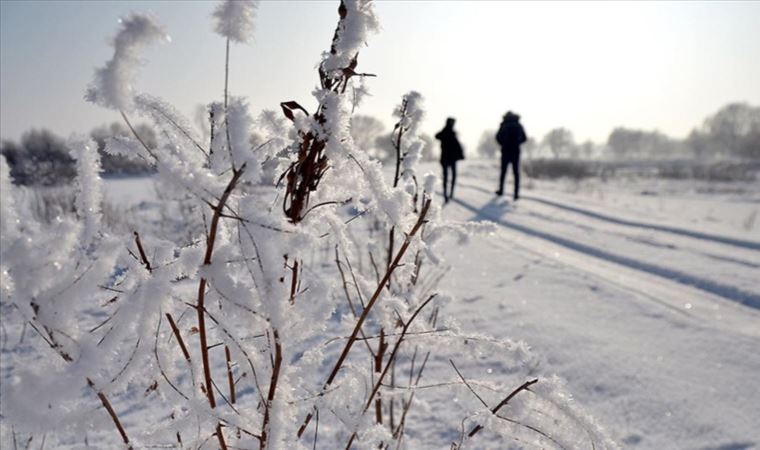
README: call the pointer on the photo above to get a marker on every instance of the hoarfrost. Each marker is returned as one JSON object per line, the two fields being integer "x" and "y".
{"x": 234, "y": 19}
{"x": 112, "y": 86}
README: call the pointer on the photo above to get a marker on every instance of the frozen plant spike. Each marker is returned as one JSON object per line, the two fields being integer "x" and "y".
{"x": 89, "y": 187}
{"x": 113, "y": 84}
{"x": 358, "y": 21}
{"x": 234, "y": 19}
{"x": 9, "y": 220}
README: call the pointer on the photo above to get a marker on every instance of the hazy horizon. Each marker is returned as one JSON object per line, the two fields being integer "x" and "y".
{"x": 588, "y": 67}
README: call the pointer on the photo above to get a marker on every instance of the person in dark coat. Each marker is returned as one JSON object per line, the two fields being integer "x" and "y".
{"x": 451, "y": 152}
{"x": 510, "y": 135}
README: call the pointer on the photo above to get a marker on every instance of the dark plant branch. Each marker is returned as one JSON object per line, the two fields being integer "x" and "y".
{"x": 242, "y": 350}
{"x": 344, "y": 282}
{"x": 178, "y": 335}
{"x": 137, "y": 136}
{"x": 277, "y": 364}
{"x": 143, "y": 256}
{"x": 502, "y": 403}
{"x": 230, "y": 378}
{"x": 391, "y": 359}
{"x": 461, "y": 377}
{"x": 399, "y": 432}
{"x": 107, "y": 405}
{"x": 180, "y": 128}
{"x": 226, "y": 112}
{"x": 355, "y": 333}
{"x": 200, "y": 308}
{"x": 161, "y": 369}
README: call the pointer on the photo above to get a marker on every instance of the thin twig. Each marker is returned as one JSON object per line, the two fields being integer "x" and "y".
{"x": 399, "y": 433}
{"x": 354, "y": 334}
{"x": 177, "y": 334}
{"x": 277, "y": 364}
{"x": 137, "y": 136}
{"x": 230, "y": 378}
{"x": 143, "y": 256}
{"x": 161, "y": 369}
{"x": 180, "y": 128}
{"x": 468, "y": 384}
{"x": 502, "y": 403}
{"x": 391, "y": 358}
{"x": 211, "y": 240}
{"x": 111, "y": 412}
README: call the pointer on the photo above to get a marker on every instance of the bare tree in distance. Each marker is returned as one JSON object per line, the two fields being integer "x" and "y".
{"x": 733, "y": 130}
{"x": 365, "y": 130}
{"x": 559, "y": 141}
{"x": 487, "y": 145}
{"x": 626, "y": 143}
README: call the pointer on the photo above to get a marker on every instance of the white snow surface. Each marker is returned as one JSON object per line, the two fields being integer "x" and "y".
{"x": 644, "y": 295}
{"x": 641, "y": 294}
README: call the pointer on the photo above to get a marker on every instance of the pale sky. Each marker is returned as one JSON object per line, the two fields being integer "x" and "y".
{"x": 586, "y": 66}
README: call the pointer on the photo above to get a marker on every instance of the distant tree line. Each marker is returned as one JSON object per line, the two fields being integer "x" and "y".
{"x": 41, "y": 157}
{"x": 731, "y": 133}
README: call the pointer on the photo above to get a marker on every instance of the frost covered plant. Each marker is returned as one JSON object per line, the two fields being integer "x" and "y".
{"x": 113, "y": 84}
{"x": 234, "y": 19}
{"x": 234, "y": 22}
{"x": 283, "y": 322}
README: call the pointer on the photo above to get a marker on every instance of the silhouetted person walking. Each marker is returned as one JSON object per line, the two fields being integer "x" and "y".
{"x": 510, "y": 135}
{"x": 451, "y": 152}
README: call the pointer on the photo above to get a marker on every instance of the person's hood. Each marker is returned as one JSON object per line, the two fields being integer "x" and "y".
{"x": 511, "y": 117}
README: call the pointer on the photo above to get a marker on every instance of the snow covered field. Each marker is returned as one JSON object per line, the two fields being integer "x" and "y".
{"x": 275, "y": 286}
{"x": 643, "y": 295}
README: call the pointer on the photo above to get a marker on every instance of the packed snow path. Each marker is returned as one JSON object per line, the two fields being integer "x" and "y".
{"x": 652, "y": 318}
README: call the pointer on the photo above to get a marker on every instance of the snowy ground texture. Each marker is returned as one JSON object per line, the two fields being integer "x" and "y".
{"x": 642, "y": 295}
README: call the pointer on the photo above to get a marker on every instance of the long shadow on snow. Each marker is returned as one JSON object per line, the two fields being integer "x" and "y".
{"x": 631, "y": 223}
{"x": 492, "y": 212}
{"x": 732, "y": 446}
{"x": 694, "y": 234}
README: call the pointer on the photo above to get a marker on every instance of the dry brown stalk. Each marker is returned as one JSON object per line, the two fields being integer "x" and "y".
{"x": 396, "y": 177}
{"x": 343, "y": 279}
{"x": 272, "y": 390}
{"x": 177, "y": 335}
{"x": 169, "y": 318}
{"x": 200, "y": 307}
{"x": 101, "y": 396}
{"x": 391, "y": 359}
{"x": 226, "y": 113}
{"x": 382, "y": 346}
{"x": 230, "y": 378}
{"x": 503, "y": 403}
{"x": 354, "y": 334}
{"x": 140, "y": 249}
{"x": 111, "y": 412}
{"x": 348, "y": 297}
{"x": 399, "y": 431}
